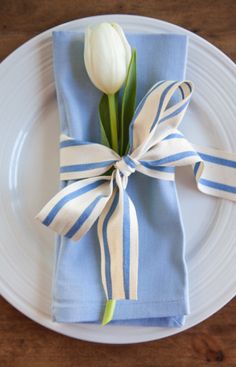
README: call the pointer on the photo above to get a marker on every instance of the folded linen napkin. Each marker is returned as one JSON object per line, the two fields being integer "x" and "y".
{"x": 78, "y": 295}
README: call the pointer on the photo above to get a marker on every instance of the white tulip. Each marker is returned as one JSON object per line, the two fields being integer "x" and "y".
{"x": 107, "y": 55}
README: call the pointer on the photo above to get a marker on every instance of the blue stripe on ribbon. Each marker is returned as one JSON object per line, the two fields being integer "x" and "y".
{"x": 129, "y": 161}
{"x": 141, "y": 104}
{"x": 85, "y": 166}
{"x": 174, "y": 157}
{"x": 84, "y": 216}
{"x": 126, "y": 245}
{"x": 106, "y": 248}
{"x": 176, "y": 112}
{"x": 189, "y": 86}
{"x": 196, "y": 166}
{"x": 73, "y": 143}
{"x": 137, "y": 111}
{"x": 216, "y": 160}
{"x": 157, "y": 168}
{"x": 181, "y": 91}
{"x": 163, "y": 95}
{"x": 72, "y": 195}
{"x": 218, "y": 186}
{"x": 173, "y": 136}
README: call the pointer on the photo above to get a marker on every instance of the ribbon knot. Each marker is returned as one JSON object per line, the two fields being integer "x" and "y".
{"x": 156, "y": 148}
{"x": 126, "y": 165}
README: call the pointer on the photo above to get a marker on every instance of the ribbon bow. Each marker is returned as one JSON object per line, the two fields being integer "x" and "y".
{"x": 156, "y": 148}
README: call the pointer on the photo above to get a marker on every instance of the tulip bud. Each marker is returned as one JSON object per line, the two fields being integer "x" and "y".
{"x": 107, "y": 55}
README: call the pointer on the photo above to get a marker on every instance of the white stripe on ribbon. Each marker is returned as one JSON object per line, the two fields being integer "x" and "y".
{"x": 157, "y": 147}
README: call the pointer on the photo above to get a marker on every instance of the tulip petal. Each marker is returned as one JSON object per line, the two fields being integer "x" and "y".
{"x": 107, "y": 56}
{"x": 126, "y": 44}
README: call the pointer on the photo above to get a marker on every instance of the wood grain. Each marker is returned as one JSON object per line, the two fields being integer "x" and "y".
{"x": 212, "y": 19}
{"x": 23, "y": 343}
{"x": 26, "y": 344}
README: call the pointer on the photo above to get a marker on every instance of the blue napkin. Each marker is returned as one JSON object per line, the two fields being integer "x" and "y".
{"x": 78, "y": 295}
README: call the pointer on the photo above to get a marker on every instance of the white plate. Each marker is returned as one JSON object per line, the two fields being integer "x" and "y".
{"x": 28, "y": 156}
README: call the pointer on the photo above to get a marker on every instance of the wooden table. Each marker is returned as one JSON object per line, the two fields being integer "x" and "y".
{"x": 24, "y": 343}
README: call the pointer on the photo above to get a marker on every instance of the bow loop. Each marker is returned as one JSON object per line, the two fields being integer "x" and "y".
{"x": 154, "y": 119}
{"x": 75, "y": 208}
{"x": 79, "y": 159}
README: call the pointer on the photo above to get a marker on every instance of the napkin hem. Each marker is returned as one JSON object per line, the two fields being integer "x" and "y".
{"x": 157, "y": 313}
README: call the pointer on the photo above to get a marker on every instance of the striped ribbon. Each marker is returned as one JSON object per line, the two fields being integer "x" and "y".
{"x": 156, "y": 148}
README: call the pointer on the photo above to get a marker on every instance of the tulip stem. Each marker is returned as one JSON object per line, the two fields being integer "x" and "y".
{"x": 109, "y": 311}
{"x": 113, "y": 121}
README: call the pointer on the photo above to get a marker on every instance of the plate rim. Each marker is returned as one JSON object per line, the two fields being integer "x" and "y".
{"x": 9, "y": 295}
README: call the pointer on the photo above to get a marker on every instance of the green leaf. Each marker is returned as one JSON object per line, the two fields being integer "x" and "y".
{"x": 128, "y": 103}
{"x": 104, "y": 118}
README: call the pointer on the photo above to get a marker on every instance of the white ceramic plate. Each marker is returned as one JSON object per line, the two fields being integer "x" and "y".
{"x": 29, "y": 163}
